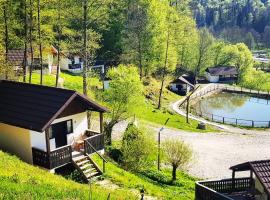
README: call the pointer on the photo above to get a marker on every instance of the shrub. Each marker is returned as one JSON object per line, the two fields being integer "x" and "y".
{"x": 136, "y": 149}
{"x": 114, "y": 153}
{"x": 177, "y": 154}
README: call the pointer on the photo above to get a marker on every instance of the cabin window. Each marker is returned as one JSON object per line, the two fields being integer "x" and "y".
{"x": 69, "y": 126}
{"x": 65, "y": 127}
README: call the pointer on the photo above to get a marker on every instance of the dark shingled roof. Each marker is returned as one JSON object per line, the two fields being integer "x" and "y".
{"x": 16, "y": 56}
{"x": 261, "y": 168}
{"x": 222, "y": 70}
{"x": 185, "y": 79}
{"x": 35, "y": 107}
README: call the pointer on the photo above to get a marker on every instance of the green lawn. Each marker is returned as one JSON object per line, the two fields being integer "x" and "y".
{"x": 146, "y": 112}
{"x": 19, "y": 180}
{"x": 183, "y": 190}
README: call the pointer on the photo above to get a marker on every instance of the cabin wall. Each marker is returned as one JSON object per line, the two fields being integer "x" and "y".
{"x": 38, "y": 140}
{"x": 106, "y": 84}
{"x": 64, "y": 63}
{"x": 260, "y": 188}
{"x": 17, "y": 141}
{"x": 211, "y": 79}
{"x": 79, "y": 126}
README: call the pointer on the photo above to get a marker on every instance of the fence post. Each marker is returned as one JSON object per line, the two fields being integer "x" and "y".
{"x": 236, "y": 122}
{"x": 269, "y": 124}
{"x": 212, "y": 117}
{"x": 223, "y": 120}
{"x": 241, "y": 89}
{"x": 252, "y": 124}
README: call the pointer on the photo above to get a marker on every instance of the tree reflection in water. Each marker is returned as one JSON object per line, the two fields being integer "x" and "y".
{"x": 235, "y": 106}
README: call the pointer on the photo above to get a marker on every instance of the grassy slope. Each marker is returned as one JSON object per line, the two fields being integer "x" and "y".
{"x": 146, "y": 112}
{"x": 22, "y": 181}
{"x": 128, "y": 180}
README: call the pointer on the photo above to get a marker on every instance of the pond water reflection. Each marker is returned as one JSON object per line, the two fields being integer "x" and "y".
{"x": 231, "y": 105}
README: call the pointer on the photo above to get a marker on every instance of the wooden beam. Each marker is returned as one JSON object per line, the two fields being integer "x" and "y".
{"x": 101, "y": 122}
{"x": 48, "y": 148}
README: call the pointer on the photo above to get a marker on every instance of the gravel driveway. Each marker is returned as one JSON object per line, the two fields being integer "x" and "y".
{"x": 214, "y": 153}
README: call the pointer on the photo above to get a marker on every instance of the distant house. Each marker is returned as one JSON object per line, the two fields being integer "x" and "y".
{"x": 183, "y": 84}
{"x": 74, "y": 64}
{"x": 221, "y": 74}
{"x": 16, "y": 59}
{"x": 254, "y": 187}
{"x": 48, "y": 126}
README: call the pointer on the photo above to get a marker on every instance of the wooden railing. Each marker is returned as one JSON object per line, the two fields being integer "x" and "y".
{"x": 96, "y": 141}
{"x": 209, "y": 190}
{"x": 90, "y": 148}
{"x": 60, "y": 156}
{"x": 53, "y": 159}
{"x": 40, "y": 158}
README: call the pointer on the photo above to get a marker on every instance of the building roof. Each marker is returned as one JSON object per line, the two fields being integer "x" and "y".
{"x": 222, "y": 70}
{"x": 261, "y": 168}
{"x": 35, "y": 107}
{"x": 185, "y": 79}
{"x": 16, "y": 56}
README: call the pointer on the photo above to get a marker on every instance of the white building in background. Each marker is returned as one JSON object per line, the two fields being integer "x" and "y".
{"x": 221, "y": 74}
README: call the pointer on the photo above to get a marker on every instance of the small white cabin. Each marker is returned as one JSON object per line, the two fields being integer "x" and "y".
{"x": 45, "y": 125}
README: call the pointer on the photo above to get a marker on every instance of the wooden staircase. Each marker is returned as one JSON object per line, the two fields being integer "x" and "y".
{"x": 86, "y": 166}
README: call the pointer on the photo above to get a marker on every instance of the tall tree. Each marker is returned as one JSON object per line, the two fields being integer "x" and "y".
{"x": 59, "y": 26}
{"x": 31, "y": 40}
{"x": 25, "y": 41}
{"x": 40, "y": 43}
{"x": 204, "y": 45}
{"x": 6, "y": 34}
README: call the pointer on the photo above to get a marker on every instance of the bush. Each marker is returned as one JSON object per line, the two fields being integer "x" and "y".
{"x": 177, "y": 154}
{"x": 136, "y": 149}
{"x": 114, "y": 153}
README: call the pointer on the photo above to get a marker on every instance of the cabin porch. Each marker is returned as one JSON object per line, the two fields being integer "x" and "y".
{"x": 90, "y": 143}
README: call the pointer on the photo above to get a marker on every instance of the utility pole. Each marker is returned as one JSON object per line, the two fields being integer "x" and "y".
{"x": 159, "y": 141}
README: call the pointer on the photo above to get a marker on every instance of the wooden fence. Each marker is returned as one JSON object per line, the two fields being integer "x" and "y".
{"x": 53, "y": 159}
{"x": 218, "y": 190}
{"x": 229, "y": 120}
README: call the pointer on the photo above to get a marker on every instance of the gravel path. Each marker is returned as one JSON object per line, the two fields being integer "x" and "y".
{"x": 214, "y": 153}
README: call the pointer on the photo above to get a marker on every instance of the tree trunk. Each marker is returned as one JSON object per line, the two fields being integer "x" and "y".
{"x": 140, "y": 59}
{"x": 58, "y": 45}
{"x": 25, "y": 41}
{"x": 174, "y": 173}
{"x": 108, "y": 127}
{"x": 85, "y": 64}
{"x": 31, "y": 42}
{"x": 6, "y": 37}
{"x": 40, "y": 46}
{"x": 187, "y": 110}
{"x": 164, "y": 71}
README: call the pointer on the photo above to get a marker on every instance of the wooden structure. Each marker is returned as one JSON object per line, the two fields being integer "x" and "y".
{"x": 48, "y": 126}
{"x": 254, "y": 187}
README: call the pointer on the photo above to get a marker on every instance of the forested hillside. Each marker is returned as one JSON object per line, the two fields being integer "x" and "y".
{"x": 235, "y": 20}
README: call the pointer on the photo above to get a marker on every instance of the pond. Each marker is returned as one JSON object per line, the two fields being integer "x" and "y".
{"x": 227, "y": 107}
